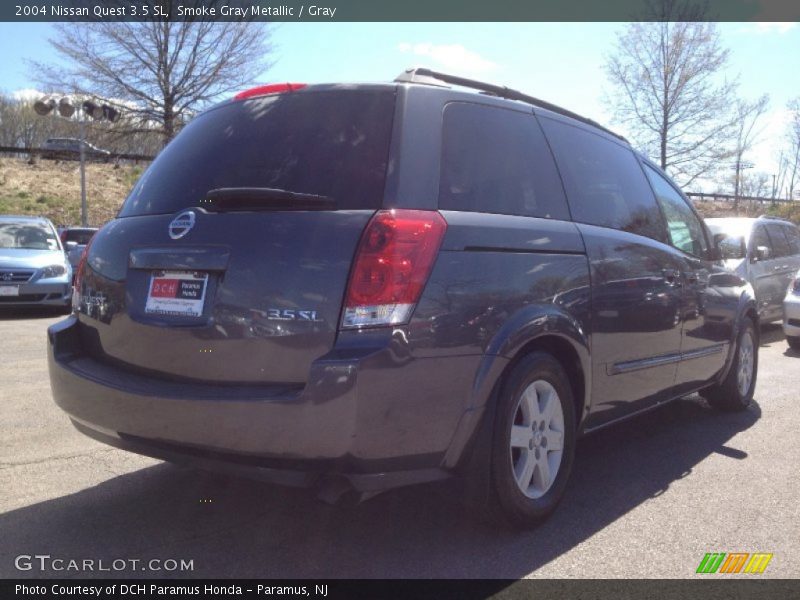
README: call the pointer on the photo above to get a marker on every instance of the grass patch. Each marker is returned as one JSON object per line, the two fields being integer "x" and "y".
{"x": 785, "y": 210}
{"x": 58, "y": 210}
{"x": 132, "y": 175}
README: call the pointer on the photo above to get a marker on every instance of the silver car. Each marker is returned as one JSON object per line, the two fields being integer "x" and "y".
{"x": 766, "y": 252}
{"x": 33, "y": 267}
{"x": 791, "y": 313}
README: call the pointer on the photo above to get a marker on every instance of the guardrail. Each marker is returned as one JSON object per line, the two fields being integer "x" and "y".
{"x": 39, "y": 151}
{"x": 732, "y": 198}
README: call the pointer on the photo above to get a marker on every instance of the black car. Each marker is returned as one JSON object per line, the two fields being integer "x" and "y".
{"x": 358, "y": 287}
{"x": 70, "y": 149}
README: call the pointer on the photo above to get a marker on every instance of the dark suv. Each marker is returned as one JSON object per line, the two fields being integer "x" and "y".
{"x": 357, "y": 287}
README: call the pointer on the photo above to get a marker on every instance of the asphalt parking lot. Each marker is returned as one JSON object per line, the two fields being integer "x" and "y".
{"x": 647, "y": 498}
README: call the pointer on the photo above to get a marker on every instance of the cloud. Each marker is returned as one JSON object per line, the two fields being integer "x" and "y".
{"x": 450, "y": 56}
{"x": 769, "y": 28}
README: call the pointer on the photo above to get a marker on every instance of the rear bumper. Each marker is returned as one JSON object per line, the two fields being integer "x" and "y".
{"x": 374, "y": 418}
{"x": 791, "y": 315}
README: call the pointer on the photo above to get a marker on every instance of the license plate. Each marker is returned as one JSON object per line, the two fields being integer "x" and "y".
{"x": 9, "y": 290}
{"x": 176, "y": 293}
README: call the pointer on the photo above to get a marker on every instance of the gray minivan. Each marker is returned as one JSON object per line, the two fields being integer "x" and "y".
{"x": 363, "y": 286}
{"x": 766, "y": 252}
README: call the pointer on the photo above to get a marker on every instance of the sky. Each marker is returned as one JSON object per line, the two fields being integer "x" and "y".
{"x": 558, "y": 62}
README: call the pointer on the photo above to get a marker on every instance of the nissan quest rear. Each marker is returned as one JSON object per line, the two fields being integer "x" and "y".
{"x": 357, "y": 287}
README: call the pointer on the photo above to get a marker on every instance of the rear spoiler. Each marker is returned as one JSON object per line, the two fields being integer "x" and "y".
{"x": 261, "y": 199}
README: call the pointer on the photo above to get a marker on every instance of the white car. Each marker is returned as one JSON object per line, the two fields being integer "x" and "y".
{"x": 791, "y": 313}
{"x": 764, "y": 251}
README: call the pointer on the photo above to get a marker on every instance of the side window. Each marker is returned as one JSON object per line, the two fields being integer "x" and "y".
{"x": 760, "y": 238}
{"x": 779, "y": 241}
{"x": 683, "y": 226}
{"x": 605, "y": 185}
{"x": 496, "y": 160}
{"x": 793, "y": 236}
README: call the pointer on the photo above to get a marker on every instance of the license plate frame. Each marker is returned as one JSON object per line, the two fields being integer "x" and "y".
{"x": 9, "y": 290}
{"x": 176, "y": 293}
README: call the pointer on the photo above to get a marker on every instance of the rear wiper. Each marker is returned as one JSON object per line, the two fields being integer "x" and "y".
{"x": 250, "y": 198}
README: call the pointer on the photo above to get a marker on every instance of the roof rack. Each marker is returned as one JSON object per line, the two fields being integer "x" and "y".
{"x": 775, "y": 218}
{"x": 429, "y": 77}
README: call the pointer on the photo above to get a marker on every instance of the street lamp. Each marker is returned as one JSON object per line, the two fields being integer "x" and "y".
{"x": 64, "y": 108}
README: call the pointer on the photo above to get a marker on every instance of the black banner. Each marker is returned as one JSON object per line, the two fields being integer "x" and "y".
{"x": 402, "y": 11}
{"x": 464, "y": 589}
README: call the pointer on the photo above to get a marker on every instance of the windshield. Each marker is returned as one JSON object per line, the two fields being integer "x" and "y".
{"x": 730, "y": 229}
{"x": 733, "y": 246}
{"x": 27, "y": 236}
{"x": 332, "y": 143}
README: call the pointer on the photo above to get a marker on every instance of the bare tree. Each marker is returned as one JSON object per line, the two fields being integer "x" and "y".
{"x": 754, "y": 185}
{"x": 779, "y": 176}
{"x": 20, "y": 126}
{"x": 667, "y": 89}
{"x": 159, "y": 72}
{"x": 747, "y": 115}
{"x": 791, "y": 168}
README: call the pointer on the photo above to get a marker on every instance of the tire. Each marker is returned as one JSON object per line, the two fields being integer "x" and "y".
{"x": 525, "y": 399}
{"x": 735, "y": 392}
{"x": 794, "y": 342}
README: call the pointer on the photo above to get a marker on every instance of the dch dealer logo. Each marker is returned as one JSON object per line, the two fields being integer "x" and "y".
{"x": 734, "y": 562}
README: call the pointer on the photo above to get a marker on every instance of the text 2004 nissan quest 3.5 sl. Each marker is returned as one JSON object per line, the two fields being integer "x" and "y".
{"x": 360, "y": 287}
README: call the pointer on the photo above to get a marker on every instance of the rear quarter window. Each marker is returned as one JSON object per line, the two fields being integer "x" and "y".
{"x": 496, "y": 160}
{"x": 793, "y": 237}
{"x": 780, "y": 244}
{"x": 604, "y": 182}
{"x": 331, "y": 143}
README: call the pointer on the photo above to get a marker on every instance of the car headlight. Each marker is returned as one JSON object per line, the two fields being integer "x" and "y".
{"x": 53, "y": 271}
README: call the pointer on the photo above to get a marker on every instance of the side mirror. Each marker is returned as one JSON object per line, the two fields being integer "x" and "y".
{"x": 70, "y": 246}
{"x": 728, "y": 247}
{"x": 761, "y": 253}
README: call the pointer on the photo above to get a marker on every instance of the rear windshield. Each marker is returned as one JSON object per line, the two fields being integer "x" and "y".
{"x": 79, "y": 236}
{"x": 328, "y": 143}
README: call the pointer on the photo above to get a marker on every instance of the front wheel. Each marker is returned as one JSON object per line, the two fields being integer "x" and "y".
{"x": 735, "y": 392}
{"x": 794, "y": 342}
{"x": 533, "y": 444}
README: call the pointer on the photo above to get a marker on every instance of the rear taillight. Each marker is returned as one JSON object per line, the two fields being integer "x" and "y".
{"x": 77, "y": 279}
{"x": 392, "y": 264}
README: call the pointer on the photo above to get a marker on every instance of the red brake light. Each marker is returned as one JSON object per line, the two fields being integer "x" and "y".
{"x": 76, "y": 284}
{"x": 272, "y": 88}
{"x": 392, "y": 264}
